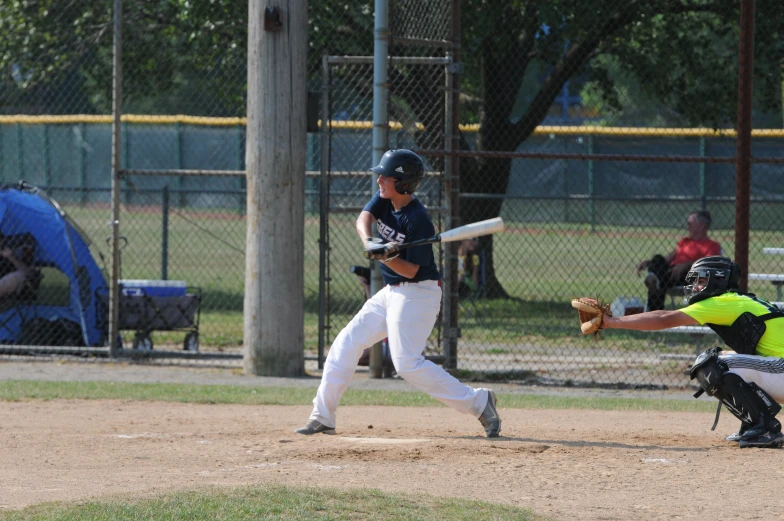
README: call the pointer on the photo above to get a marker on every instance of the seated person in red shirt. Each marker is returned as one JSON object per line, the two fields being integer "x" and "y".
{"x": 669, "y": 271}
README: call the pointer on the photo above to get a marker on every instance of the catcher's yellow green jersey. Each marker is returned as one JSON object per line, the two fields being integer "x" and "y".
{"x": 724, "y": 309}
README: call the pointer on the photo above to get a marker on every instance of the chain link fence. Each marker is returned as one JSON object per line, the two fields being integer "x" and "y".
{"x": 417, "y": 118}
{"x": 183, "y": 99}
{"x": 593, "y": 128}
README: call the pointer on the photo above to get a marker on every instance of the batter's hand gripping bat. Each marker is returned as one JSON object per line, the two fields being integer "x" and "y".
{"x": 469, "y": 231}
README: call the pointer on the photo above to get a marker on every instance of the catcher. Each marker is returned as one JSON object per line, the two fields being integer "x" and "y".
{"x": 749, "y": 379}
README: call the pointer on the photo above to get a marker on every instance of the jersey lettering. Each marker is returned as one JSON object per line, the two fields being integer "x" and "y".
{"x": 389, "y": 234}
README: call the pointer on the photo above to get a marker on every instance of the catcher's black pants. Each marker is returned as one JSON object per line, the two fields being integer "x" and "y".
{"x": 662, "y": 269}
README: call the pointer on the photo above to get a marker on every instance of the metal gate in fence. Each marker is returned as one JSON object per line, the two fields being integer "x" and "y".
{"x": 345, "y": 190}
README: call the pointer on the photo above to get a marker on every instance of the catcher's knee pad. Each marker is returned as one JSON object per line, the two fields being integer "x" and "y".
{"x": 709, "y": 371}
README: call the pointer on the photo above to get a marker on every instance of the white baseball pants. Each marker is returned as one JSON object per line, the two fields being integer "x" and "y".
{"x": 405, "y": 315}
{"x": 765, "y": 371}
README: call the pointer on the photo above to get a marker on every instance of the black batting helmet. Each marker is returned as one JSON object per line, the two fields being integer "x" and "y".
{"x": 723, "y": 275}
{"x": 405, "y": 166}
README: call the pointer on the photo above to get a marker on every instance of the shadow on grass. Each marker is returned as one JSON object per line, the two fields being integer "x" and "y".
{"x": 530, "y": 378}
{"x": 520, "y": 376}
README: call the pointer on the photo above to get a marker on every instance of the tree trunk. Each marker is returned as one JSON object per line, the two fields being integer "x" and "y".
{"x": 498, "y": 133}
{"x": 491, "y": 175}
{"x": 275, "y": 159}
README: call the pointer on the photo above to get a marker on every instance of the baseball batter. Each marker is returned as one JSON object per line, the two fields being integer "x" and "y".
{"x": 404, "y": 311}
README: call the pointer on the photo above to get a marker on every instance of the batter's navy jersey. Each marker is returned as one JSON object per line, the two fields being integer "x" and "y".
{"x": 408, "y": 224}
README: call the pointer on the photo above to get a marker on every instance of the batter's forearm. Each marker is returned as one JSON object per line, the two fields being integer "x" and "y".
{"x": 364, "y": 225}
{"x": 403, "y": 267}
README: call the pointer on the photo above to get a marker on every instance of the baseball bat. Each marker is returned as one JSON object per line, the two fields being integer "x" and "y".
{"x": 468, "y": 231}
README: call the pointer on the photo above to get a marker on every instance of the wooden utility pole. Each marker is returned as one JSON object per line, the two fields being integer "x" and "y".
{"x": 275, "y": 170}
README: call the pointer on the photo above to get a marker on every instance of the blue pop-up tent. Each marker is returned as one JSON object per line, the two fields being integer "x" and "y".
{"x": 61, "y": 245}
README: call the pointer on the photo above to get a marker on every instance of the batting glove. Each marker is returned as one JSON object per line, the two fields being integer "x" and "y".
{"x": 390, "y": 252}
{"x": 378, "y": 250}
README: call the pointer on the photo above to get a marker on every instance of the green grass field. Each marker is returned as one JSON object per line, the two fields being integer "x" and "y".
{"x": 277, "y": 503}
{"x": 541, "y": 264}
{"x": 23, "y": 390}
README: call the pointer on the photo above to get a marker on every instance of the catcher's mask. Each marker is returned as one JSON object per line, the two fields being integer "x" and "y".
{"x": 405, "y": 166}
{"x": 720, "y": 275}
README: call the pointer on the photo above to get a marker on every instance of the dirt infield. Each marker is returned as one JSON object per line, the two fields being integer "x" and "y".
{"x": 573, "y": 464}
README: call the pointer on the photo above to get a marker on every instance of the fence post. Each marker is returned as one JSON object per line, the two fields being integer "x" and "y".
{"x": 451, "y": 187}
{"x": 181, "y": 196}
{"x": 19, "y": 152}
{"x": 323, "y": 210}
{"x": 241, "y": 180}
{"x": 591, "y": 201}
{"x": 703, "y": 197}
{"x": 380, "y": 139}
{"x": 83, "y": 162}
{"x": 47, "y": 159}
{"x": 165, "y": 235}
{"x": 743, "y": 165}
{"x": 125, "y": 157}
{"x": 114, "y": 289}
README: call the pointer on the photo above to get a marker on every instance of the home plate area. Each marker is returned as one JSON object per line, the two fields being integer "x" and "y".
{"x": 563, "y": 464}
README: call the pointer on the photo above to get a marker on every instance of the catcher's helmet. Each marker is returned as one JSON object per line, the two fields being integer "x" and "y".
{"x": 405, "y": 166}
{"x": 723, "y": 275}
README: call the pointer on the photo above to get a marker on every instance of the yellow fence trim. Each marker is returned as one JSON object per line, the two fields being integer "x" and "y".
{"x": 368, "y": 125}
{"x": 588, "y": 130}
{"x": 642, "y": 131}
{"x": 128, "y": 118}
{"x": 393, "y": 125}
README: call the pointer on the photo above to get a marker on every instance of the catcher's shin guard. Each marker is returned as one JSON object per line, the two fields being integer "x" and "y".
{"x": 746, "y": 401}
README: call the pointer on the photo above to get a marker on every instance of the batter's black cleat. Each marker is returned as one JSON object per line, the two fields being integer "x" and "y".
{"x": 315, "y": 427}
{"x": 489, "y": 417}
{"x": 772, "y": 440}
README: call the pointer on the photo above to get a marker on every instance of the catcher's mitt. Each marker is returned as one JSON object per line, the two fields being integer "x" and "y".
{"x": 591, "y": 313}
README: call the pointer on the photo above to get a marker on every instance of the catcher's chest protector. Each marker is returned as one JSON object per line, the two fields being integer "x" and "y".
{"x": 745, "y": 333}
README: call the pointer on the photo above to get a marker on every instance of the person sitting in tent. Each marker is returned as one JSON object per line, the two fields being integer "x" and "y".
{"x": 13, "y": 271}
